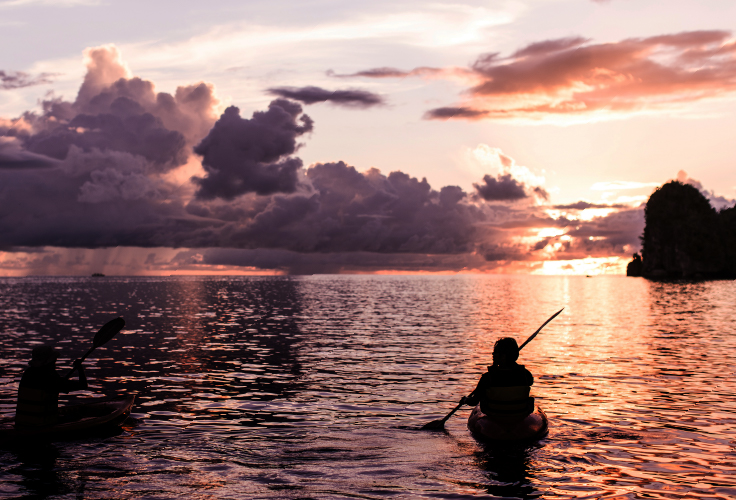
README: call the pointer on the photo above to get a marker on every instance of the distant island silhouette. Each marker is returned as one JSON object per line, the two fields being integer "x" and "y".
{"x": 685, "y": 237}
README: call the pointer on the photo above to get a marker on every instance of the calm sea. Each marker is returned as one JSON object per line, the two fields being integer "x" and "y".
{"x": 313, "y": 387}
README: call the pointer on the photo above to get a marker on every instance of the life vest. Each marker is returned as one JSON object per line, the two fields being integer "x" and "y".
{"x": 36, "y": 407}
{"x": 511, "y": 402}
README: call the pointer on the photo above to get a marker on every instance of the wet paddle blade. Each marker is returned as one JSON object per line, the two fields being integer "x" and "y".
{"x": 439, "y": 425}
{"x": 108, "y": 331}
{"x": 434, "y": 425}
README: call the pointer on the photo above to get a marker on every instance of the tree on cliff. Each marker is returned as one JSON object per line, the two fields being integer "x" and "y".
{"x": 635, "y": 266}
{"x": 727, "y": 221}
{"x": 685, "y": 236}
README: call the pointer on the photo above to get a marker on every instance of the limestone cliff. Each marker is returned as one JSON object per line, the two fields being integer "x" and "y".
{"x": 685, "y": 237}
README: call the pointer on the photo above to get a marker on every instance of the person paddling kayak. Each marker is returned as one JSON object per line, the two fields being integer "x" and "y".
{"x": 39, "y": 388}
{"x": 503, "y": 391}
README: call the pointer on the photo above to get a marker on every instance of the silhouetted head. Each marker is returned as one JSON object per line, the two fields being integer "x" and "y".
{"x": 43, "y": 355}
{"x": 505, "y": 351}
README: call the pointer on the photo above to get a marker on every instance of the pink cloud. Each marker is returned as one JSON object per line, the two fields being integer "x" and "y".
{"x": 573, "y": 76}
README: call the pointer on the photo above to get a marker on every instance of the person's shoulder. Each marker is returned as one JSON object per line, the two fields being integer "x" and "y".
{"x": 39, "y": 373}
{"x": 32, "y": 376}
{"x": 522, "y": 370}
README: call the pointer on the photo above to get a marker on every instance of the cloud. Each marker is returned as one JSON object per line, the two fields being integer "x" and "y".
{"x": 718, "y": 202}
{"x": 13, "y": 155}
{"x": 386, "y": 72}
{"x": 339, "y": 262}
{"x": 508, "y": 181}
{"x": 113, "y": 168}
{"x": 92, "y": 172}
{"x": 502, "y": 188}
{"x": 115, "y": 112}
{"x": 311, "y": 95}
{"x": 18, "y": 79}
{"x": 342, "y": 210}
{"x": 252, "y": 155}
{"x": 573, "y": 76}
{"x": 584, "y": 205}
{"x": 455, "y": 112}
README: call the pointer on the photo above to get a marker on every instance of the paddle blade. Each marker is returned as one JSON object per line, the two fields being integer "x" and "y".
{"x": 108, "y": 331}
{"x": 434, "y": 425}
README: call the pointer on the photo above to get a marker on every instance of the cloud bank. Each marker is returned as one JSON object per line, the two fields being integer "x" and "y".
{"x": 125, "y": 166}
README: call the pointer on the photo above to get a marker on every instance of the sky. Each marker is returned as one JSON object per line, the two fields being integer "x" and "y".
{"x": 276, "y": 137}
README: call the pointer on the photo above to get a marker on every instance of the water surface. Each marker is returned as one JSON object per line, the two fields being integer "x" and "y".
{"x": 312, "y": 387}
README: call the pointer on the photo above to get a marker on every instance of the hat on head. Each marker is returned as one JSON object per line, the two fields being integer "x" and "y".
{"x": 43, "y": 355}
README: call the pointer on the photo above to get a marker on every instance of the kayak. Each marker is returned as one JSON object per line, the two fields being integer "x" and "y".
{"x": 486, "y": 428}
{"x": 74, "y": 420}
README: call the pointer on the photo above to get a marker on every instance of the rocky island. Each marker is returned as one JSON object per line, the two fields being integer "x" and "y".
{"x": 685, "y": 237}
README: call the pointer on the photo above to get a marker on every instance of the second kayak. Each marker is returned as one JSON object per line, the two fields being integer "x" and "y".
{"x": 485, "y": 428}
{"x": 74, "y": 420}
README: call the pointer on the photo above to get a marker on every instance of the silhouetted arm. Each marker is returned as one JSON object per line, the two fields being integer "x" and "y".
{"x": 474, "y": 397}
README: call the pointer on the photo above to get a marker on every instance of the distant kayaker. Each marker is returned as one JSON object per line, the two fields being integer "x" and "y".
{"x": 38, "y": 392}
{"x": 503, "y": 391}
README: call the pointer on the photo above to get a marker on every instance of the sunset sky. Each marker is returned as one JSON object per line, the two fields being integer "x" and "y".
{"x": 158, "y": 138}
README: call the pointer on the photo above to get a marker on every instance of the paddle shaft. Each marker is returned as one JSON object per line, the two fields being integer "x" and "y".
{"x": 459, "y": 405}
{"x": 540, "y": 329}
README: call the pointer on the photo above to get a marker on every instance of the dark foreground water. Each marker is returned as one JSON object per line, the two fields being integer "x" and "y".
{"x": 311, "y": 387}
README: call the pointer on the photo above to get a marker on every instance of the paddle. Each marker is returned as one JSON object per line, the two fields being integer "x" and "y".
{"x": 107, "y": 332}
{"x": 436, "y": 425}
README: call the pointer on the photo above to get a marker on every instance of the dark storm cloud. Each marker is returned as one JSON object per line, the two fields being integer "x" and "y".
{"x": 353, "y": 98}
{"x": 532, "y": 221}
{"x": 103, "y": 154}
{"x": 582, "y": 205}
{"x": 350, "y": 211}
{"x": 506, "y": 188}
{"x": 18, "y": 79}
{"x": 332, "y": 263}
{"x": 619, "y": 228}
{"x": 615, "y": 234}
{"x": 13, "y": 155}
{"x": 124, "y": 130}
{"x": 251, "y": 155}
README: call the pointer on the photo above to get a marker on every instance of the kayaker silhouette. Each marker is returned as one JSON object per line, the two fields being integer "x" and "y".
{"x": 503, "y": 391}
{"x": 39, "y": 388}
